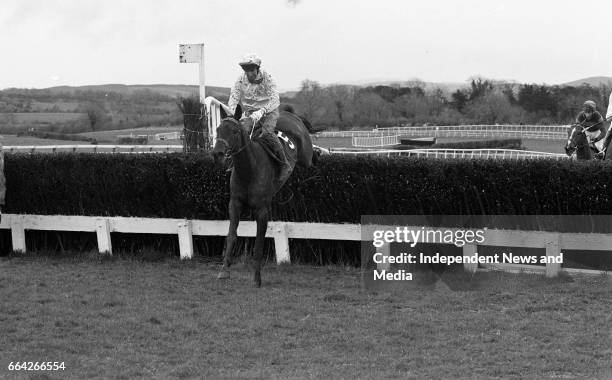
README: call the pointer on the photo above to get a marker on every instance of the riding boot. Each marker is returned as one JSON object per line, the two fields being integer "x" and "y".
{"x": 230, "y": 163}
{"x": 284, "y": 167}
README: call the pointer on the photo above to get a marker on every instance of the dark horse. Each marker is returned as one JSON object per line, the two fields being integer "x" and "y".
{"x": 577, "y": 145}
{"x": 253, "y": 182}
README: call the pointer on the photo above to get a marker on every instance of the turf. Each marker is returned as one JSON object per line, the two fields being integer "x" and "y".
{"x": 131, "y": 318}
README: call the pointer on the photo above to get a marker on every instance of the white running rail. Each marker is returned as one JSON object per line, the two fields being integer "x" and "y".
{"x": 456, "y": 153}
{"x": 375, "y": 141}
{"x": 281, "y": 232}
{"x": 542, "y": 132}
{"x": 93, "y": 148}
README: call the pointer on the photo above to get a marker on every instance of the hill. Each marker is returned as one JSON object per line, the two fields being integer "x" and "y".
{"x": 591, "y": 81}
{"x": 164, "y": 89}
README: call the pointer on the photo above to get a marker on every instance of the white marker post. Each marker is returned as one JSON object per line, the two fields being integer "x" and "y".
{"x": 194, "y": 53}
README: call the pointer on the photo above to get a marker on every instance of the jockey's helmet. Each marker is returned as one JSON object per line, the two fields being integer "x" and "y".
{"x": 589, "y": 105}
{"x": 250, "y": 60}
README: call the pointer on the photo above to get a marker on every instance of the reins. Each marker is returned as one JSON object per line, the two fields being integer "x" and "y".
{"x": 243, "y": 147}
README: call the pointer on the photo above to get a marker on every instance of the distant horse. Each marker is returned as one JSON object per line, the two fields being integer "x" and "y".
{"x": 577, "y": 145}
{"x": 253, "y": 182}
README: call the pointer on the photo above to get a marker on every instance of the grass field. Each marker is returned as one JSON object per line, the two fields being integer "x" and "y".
{"x": 103, "y": 137}
{"x": 126, "y": 318}
{"x": 552, "y": 146}
{"x": 42, "y": 117}
{"x": 11, "y": 140}
{"x": 111, "y": 136}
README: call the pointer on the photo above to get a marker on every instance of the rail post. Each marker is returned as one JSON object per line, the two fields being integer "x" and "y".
{"x": 185, "y": 239}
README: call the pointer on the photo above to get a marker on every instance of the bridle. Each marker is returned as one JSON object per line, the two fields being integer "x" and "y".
{"x": 571, "y": 138}
{"x": 228, "y": 150}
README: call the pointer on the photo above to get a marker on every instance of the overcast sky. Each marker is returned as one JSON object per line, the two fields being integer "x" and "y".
{"x": 79, "y": 42}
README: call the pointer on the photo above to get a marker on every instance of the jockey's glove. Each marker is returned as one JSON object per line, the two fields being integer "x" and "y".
{"x": 257, "y": 115}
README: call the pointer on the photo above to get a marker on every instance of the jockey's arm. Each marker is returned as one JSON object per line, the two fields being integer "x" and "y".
{"x": 235, "y": 97}
{"x": 596, "y": 124}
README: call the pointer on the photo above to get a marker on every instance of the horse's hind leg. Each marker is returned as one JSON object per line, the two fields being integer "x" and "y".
{"x": 261, "y": 216}
{"x": 235, "y": 208}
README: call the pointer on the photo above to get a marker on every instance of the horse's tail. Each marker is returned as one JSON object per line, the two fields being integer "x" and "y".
{"x": 289, "y": 108}
{"x": 307, "y": 124}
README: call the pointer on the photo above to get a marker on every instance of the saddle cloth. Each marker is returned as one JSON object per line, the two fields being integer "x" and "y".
{"x": 593, "y": 136}
{"x": 289, "y": 147}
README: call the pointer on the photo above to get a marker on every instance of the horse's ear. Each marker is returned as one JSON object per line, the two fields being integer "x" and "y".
{"x": 238, "y": 112}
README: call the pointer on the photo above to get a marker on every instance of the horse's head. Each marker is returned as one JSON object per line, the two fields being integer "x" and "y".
{"x": 575, "y": 139}
{"x": 231, "y": 139}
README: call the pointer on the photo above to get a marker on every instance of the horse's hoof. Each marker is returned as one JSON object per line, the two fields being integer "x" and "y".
{"x": 224, "y": 274}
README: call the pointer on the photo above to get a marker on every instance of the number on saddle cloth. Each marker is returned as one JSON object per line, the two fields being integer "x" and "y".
{"x": 286, "y": 139}
{"x": 289, "y": 147}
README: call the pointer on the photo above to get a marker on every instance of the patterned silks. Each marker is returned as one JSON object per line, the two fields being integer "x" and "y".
{"x": 253, "y": 96}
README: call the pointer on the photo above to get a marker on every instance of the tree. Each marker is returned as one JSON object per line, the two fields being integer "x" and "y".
{"x": 534, "y": 98}
{"x": 494, "y": 108}
{"x": 480, "y": 87}
{"x": 341, "y": 97}
{"x": 96, "y": 114}
{"x": 309, "y": 98}
{"x": 371, "y": 109}
{"x": 460, "y": 98}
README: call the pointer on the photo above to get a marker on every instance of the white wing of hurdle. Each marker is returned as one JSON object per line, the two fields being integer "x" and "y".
{"x": 213, "y": 110}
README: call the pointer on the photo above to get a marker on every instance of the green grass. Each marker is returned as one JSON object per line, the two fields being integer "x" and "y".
{"x": 128, "y": 318}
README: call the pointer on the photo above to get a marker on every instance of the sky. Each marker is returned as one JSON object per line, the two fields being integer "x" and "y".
{"x": 46, "y": 43}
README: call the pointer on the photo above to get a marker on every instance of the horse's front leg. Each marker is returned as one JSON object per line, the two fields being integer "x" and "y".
{"x": 261, "y": 215}
{"x": 235, "y": 209}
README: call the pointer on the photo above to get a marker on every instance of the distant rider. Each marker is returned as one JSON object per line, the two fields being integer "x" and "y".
{"x": 256, "y": 91}
{"x": 592, "y": 121}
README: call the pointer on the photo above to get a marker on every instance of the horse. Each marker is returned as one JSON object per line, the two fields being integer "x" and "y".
{"x": 254, "y": 179}
{"x": 577, "y": 145}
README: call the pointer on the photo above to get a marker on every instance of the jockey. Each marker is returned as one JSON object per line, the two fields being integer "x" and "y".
{"x": 592, "y": 121}
{"x": 256, "y": 91}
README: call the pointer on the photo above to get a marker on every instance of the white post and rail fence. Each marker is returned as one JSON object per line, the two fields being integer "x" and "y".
{"x": 281, "y": 232}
